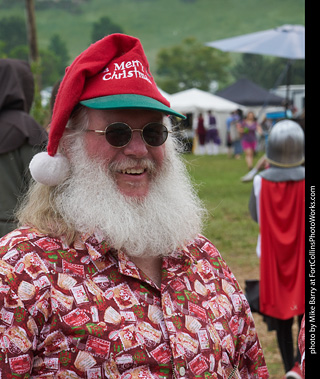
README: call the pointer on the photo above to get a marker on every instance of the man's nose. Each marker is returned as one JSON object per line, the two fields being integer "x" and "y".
{"x": 136, "y": 147}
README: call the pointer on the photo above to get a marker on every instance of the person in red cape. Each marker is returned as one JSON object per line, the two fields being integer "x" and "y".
{"x": 277, "y": 203}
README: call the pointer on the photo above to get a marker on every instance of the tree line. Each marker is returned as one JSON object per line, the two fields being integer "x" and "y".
{"x": 190, "y": 64}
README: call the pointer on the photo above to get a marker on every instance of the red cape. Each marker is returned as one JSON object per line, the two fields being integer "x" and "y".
{"x": 282, "y": 266}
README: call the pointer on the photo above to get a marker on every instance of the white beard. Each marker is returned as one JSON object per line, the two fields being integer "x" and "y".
{"x": 167, "y": 218}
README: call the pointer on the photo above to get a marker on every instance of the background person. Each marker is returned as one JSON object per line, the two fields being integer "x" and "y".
{"x": 277, "y": 203}
{"x": 20, "y": 136}
{"x": 109, "y": 275}
{"x": 213, "y": 140}
{"x": 248, "y": 129}
{"x": 234, "y": 137}
{"x": 201, "y": 133}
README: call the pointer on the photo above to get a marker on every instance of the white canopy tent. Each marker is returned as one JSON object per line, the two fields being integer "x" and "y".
{"x": 196, "y": 101}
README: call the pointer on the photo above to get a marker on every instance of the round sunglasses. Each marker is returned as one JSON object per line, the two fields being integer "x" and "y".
{"x": 119, "y": 134}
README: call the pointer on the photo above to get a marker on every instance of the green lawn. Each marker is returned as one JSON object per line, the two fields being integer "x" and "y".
{"x": 229, "y": 224}
{"x": 231, "y": 229}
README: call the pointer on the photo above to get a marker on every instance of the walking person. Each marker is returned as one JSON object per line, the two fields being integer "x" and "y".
{"x": 248, "y": 129}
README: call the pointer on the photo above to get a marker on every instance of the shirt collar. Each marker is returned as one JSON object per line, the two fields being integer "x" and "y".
{"x": 97, "y": 247}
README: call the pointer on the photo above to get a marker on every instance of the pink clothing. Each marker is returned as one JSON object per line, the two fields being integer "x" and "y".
{"x": 248, "y": 136}
{"x": 249, "y": 145}
{"x": 249, "y": 131}
{"x": 84, "y": 311}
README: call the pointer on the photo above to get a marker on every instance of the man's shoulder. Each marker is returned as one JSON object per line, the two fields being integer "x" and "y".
{"x": 201, "y": 249}
{"x": 24, "y": 238}
{"x": 208, "y": 267}
{"x": 203, "y": 246}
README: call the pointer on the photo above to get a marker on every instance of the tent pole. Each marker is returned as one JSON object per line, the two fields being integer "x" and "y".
{"x": 289, "y": 64}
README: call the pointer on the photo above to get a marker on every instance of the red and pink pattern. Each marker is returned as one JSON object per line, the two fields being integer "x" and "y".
{"x": 83, "y": 311}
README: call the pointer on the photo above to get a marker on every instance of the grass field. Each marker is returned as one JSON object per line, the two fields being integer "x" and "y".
{"x": 231, "y": 229}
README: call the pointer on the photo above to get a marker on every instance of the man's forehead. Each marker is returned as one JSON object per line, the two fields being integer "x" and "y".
{"x": 125, "y": 114}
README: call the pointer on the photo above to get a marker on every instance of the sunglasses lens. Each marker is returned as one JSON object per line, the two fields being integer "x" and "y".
{"x": 155, "y": 134}
{"x": 118, "y": 134}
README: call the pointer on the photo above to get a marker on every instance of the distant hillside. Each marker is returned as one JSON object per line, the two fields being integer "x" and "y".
{"x": 159, "y": 23}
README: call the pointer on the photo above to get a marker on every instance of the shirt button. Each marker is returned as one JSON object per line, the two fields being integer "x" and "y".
{"x": 182, "y": 371}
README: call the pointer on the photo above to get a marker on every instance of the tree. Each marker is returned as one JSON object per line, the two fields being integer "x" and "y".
{"x": 268, "y": 72}
{"x": 52, "y": 61}
{"x": 103, "y": 27}
{"x": 50, "y": 73}
{"x": 58, "y": 47}
{"x": 20, "y": 52}
{"x": 12, "y": 34}
{"x": 32, "y": 31}
{"x": 190, "y": 65}
{"x": 280, "y": 67}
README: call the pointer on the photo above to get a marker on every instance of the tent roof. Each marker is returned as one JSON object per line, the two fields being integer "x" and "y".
{"x": 247, "y": 93}
{"x": 196, "y": 100}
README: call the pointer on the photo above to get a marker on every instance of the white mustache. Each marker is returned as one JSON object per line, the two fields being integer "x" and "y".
{"x": 132, "y": 165}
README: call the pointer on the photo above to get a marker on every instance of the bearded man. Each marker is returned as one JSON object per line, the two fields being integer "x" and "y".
{"x": 125, "y": 285}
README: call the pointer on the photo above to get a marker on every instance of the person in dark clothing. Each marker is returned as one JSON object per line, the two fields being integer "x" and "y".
{"x": 212, "y": 138}
{"x": 20, "y": 136}
{"x": 201, "y": 132}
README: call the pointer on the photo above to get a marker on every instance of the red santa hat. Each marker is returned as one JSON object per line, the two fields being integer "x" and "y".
{"x": 112, "y": 73}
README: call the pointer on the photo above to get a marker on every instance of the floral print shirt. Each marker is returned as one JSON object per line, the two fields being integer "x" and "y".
{"x": 86, "y": 311}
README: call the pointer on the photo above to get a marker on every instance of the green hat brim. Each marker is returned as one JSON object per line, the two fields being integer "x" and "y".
{"x": 129, "y": 101}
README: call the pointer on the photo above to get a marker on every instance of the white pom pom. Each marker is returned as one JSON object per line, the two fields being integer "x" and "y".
{"x": 49, "y": 170}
